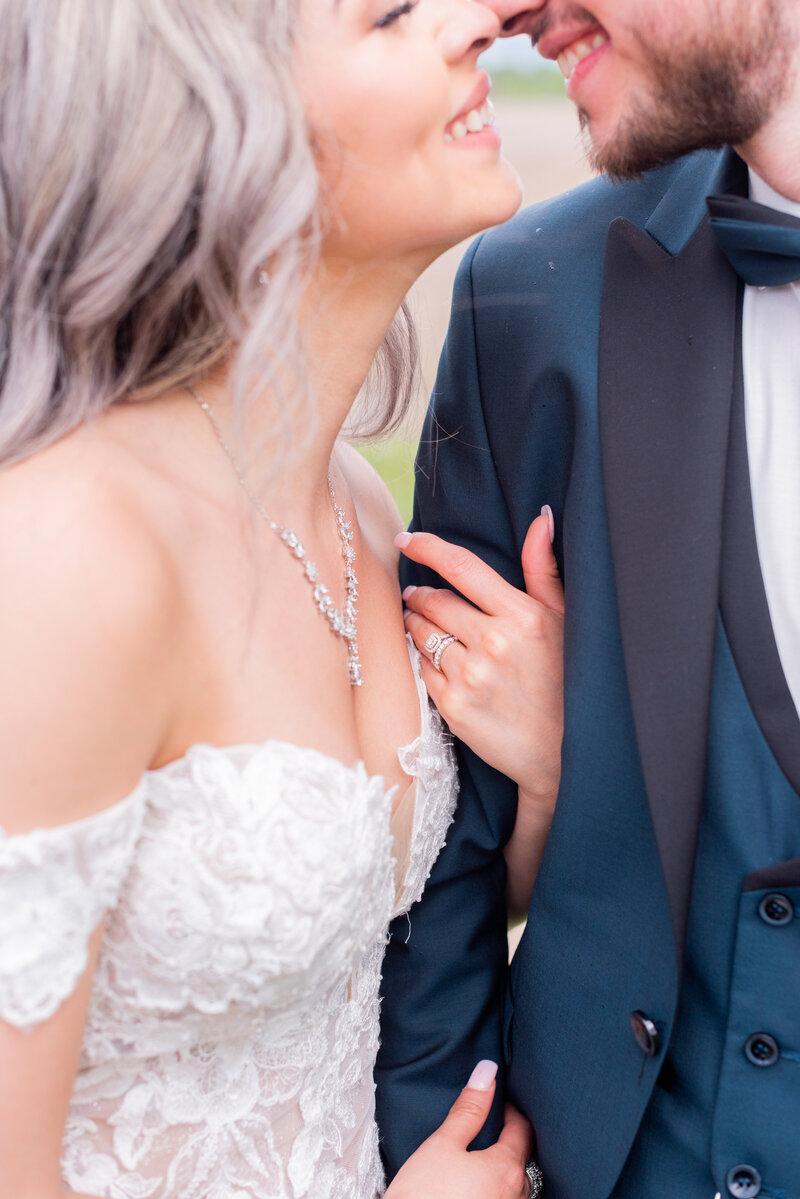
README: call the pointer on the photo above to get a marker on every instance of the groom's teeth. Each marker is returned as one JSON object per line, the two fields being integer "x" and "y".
{"x": 568, "y": 59}
{"x": 567, "y": 62}
{"x": 471, "y": 122}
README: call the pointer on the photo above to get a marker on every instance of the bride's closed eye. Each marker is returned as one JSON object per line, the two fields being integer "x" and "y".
{"x": 402, "y": 10}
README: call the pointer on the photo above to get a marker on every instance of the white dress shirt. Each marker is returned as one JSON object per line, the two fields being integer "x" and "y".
{"x": 771, "y": 359}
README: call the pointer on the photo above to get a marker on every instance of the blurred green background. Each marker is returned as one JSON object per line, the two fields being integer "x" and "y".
{"x": 394, "y": 461}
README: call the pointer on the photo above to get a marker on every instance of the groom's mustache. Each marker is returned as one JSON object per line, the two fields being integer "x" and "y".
{"x": 551, "y": 18}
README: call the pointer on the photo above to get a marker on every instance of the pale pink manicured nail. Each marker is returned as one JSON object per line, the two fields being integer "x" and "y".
{"x": 402, "y": 540}
{"x": 483, "y": 1075}
{"x": 409, "y": 591}
{"x": 551, "y": 523}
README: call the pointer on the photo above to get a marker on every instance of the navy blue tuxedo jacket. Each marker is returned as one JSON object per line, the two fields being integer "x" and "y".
{"x": 588, "y": 365}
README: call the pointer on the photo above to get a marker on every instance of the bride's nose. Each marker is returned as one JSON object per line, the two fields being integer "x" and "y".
{"x": 470, "y": 29}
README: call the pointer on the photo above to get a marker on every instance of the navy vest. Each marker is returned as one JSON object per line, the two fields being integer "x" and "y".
{"x": 724, "y": 1117}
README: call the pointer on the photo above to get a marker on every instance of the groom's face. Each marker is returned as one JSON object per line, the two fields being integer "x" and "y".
{"x": 655, "y": 79}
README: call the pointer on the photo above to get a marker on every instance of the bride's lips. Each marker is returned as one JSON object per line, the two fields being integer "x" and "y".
{"x": 473, "y": 124}
{"x": 478, "y": 96}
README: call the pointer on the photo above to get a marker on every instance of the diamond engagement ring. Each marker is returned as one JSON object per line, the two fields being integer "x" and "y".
{"x": 534, "y": 1178}
{"x": 436, "y": 644}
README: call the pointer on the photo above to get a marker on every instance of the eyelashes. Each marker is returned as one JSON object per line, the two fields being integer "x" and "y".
{"x": 402, "y": 10}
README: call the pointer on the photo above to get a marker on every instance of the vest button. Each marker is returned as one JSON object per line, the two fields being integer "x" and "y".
{"x": 776, "y": 910}
{"x": 761, "y": 1049}
{"x": 743, "y": 1182}
{"x": 645, "y": 1033}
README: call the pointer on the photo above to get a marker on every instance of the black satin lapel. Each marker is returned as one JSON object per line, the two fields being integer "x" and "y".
{"x": 667, "y": 343}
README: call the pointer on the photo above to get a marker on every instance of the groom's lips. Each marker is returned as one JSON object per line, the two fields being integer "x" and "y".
{"x": 552, "y": 43}
{"x": 577, "y": 47}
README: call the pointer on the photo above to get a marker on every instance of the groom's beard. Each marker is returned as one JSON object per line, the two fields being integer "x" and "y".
{"x": 717, "y": 87}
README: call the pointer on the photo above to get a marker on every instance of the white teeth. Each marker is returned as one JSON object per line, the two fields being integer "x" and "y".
{"x": 471, "y": 122}
{"x": 568, "y": 59}
{"x": 567, "y": 62}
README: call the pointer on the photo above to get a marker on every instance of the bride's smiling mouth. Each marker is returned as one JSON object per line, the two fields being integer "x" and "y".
{"x": 475, "y": 117}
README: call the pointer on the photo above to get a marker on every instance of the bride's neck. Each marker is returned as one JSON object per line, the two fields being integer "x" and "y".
{"x": 347, "y": 313}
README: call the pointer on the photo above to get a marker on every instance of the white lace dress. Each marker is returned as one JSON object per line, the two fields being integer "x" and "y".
{"x": 233, "y": 1025}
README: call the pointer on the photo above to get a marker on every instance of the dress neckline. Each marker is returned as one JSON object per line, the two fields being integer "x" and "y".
{"x": 247, "y": 752}
{"x": 253, "y": 748}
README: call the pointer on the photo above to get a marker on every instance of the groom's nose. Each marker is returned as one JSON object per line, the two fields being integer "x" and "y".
{"x": 517, "y": 16}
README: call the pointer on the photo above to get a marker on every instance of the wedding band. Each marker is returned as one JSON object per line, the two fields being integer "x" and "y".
{"x": 436, "y": 644}
{"x": 442, "y": 646}
{"x": 534, "y": 1178}
{"x": 432, "y": 644}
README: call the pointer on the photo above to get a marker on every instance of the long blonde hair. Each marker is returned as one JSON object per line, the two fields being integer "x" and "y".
{"x": 154, "y": 158}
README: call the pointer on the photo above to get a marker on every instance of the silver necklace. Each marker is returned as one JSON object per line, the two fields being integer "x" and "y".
{"x": 344, "y": 623}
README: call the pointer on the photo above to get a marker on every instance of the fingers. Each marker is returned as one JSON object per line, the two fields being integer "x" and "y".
{"x": 468, "y": 1114}
{"x": 421, "y": 630}
{"x": 483, "y": 586}
{"x": 444, "y": 610}
{"x": 465, "y": 570}
{"x": 430, "y": 611}
{"x": 517, "y": 1135}
{"x": 539, "y": 566}
{"x": 435, "y": 684}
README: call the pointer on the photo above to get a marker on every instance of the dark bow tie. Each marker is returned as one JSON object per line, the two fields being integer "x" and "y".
{"x": 761, "y": 244}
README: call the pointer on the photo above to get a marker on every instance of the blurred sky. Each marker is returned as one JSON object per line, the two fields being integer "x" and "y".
{"x": 515, "y": 53}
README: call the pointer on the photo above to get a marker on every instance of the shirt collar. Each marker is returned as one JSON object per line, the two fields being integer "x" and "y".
{"x": 762, "y": 193}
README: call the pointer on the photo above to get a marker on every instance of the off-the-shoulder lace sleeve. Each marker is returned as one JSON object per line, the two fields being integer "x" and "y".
{"x": 55, "y": 886}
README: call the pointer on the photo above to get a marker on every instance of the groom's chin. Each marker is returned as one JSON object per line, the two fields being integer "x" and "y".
{"x": 627, "y": 154}
{"x": 700, "y": 97}
{"x": 661, "y": 122}
{"x": 623, "y": 153}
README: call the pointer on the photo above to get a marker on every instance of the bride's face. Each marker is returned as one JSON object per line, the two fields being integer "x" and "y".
{"x": 389, "y": 90}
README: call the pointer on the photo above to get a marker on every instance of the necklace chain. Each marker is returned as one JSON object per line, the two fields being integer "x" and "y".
{"x": 343, "y": 624}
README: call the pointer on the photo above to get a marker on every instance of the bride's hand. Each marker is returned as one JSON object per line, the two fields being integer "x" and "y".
{"x": 500, "y": 687}
{"x": 443, "y": 1168}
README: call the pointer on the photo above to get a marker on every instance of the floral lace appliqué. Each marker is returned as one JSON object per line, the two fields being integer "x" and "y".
{"x": 233, "y": 1024}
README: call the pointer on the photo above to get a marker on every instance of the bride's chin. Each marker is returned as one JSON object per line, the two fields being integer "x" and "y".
{"x": 498, "y": 203}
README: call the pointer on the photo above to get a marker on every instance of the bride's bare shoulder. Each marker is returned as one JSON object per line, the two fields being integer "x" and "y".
{"x": 76, "y": 501}
{"x": 89, "y": 618}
